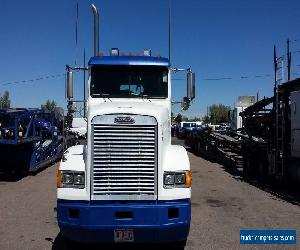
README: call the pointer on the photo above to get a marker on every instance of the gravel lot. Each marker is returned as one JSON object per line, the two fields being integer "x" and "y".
{"x": 222, "y": 204}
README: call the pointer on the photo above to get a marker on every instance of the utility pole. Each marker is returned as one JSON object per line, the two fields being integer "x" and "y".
{"x": 170, "y": 1}
{"x": 289, "y": 59}
{"x": 275, "y": 67}
{"x": 84, "y": 86}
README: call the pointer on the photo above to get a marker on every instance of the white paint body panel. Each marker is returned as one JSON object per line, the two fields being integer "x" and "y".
{"x": 242, "y": 104}
{"x": 237, "y": 121}
{"x": 75, "y": 160}
{"x": 79, "y": 126}
{"x": 169, "y": 158}
{"x": 175, "y": 159}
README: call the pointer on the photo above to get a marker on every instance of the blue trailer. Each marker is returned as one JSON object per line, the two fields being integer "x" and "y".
{"x": 30, "y": 139}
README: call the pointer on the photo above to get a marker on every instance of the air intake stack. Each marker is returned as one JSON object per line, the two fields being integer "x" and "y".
{"x": 96, "y": 30}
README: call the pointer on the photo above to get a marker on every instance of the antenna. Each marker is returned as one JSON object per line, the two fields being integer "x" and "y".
{"x": 170, "y": 2}
{"x": 76, "y": 30}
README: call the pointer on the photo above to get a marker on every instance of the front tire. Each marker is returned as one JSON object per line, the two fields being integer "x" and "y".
{"x": 180, "y": 245}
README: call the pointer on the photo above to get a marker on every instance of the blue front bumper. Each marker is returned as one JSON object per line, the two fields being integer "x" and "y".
{"x": 151, "y": 221}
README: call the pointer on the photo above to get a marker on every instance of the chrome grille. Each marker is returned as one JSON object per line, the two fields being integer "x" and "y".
{"x": 124, "y": 160}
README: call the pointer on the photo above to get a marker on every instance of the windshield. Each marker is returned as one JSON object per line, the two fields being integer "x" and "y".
{"x": 129, "y": 81}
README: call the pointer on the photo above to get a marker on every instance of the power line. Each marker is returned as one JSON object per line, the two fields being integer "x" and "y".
{"x": 174, "y": 79}
{"x": 217, "y": 79}
{"x": 233, "y": 78}
{"x": 35, "y": 79}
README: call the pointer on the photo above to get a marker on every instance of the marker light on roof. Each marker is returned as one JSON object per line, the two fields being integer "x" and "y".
{"x": 147, "y": 52}
{"x": 114, "y": 52}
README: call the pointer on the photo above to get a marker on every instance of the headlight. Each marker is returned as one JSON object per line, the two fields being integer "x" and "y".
{"x": 67, "y": 178}
{"x": 180, "y": 178}
{"x": 177, "y": 179}
{"x": 70, "y": 179}
{"x": 79, "y": 179}
{"x": 169, "y": 179}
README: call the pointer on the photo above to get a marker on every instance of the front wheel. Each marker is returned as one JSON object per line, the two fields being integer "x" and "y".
{"x": 179, "y": 245}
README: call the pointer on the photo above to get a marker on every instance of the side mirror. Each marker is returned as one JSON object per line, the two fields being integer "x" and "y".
{"x": 69, "y": 84}
{"x": 190, "y": 85}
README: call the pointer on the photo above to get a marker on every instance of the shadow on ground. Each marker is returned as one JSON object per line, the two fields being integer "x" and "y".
{"x": 60, "y": 243}
{"x": 15, "y": 175}
{"x": 287, "y": 193}
{"x": 11, "y": 177}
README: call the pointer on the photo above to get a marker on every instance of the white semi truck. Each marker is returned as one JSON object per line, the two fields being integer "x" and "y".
{"x": 236, "y": 121}
{"x": 128, "y": 183}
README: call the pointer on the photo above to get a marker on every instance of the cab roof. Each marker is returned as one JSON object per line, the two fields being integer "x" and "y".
{"x": 129, "y": 60}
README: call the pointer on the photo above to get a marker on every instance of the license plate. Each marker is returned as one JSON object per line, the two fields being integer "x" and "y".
{"x": 123, "y": 235}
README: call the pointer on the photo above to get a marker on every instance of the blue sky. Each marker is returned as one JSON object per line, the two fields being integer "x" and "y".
{"x": 216, "y": 38}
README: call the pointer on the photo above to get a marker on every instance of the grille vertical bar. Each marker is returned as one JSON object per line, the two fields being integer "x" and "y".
{"x": 124, "y": 161}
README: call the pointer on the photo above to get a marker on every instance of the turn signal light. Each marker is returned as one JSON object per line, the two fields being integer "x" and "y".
{"x": 59, "y": 179}
{"x": 188, "y": 178}
{"x": 180, "y": 179}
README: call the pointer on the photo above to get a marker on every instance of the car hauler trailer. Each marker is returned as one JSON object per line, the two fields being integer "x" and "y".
{"x": 271, "y": 148}
{"x": 29, "y": 139}
{"x": 267, "y": 145}
{"x": 128, "y": 183}
{"x": 221, "y": 143}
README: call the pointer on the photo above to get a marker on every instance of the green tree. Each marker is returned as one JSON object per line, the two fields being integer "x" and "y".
{"x": 185, "y": 118}
{"x": 205, "y": 119}
{"x": 49, "y": 106}
{"x": 5, "y": 101}
{"x": 178, "y": 118}
{"x": 218, "y": 113}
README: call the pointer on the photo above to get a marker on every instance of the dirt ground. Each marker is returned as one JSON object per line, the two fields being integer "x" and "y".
{"x": 222, "y": 204}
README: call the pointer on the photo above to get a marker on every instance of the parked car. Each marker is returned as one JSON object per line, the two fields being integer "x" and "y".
{"x": 186, "y": 128}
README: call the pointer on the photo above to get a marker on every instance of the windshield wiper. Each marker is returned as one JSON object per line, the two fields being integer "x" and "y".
{"x": 104, "y": 96}
{"x": 101, "y": 95}
{"x": 136, "y": 94}
{"x": 143, "y": 96}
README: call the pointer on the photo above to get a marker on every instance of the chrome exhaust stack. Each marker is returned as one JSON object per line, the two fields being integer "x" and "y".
{"x": 96, "y": 30}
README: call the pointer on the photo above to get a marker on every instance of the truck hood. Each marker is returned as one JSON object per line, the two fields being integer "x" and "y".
{"x": 160, "y": 109}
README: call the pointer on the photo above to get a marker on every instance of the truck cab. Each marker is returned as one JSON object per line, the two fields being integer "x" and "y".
{"x": 236, "y": 121}
{"x": 128, "y": 183}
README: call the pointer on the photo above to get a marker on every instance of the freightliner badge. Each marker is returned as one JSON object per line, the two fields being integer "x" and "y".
{"x": 124, "y": 120}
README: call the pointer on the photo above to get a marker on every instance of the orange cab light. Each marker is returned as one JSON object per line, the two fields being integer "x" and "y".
{"x": 59, "y": 179}
{"x": 101, "y": 54}
{"x": 188, "y": 177}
